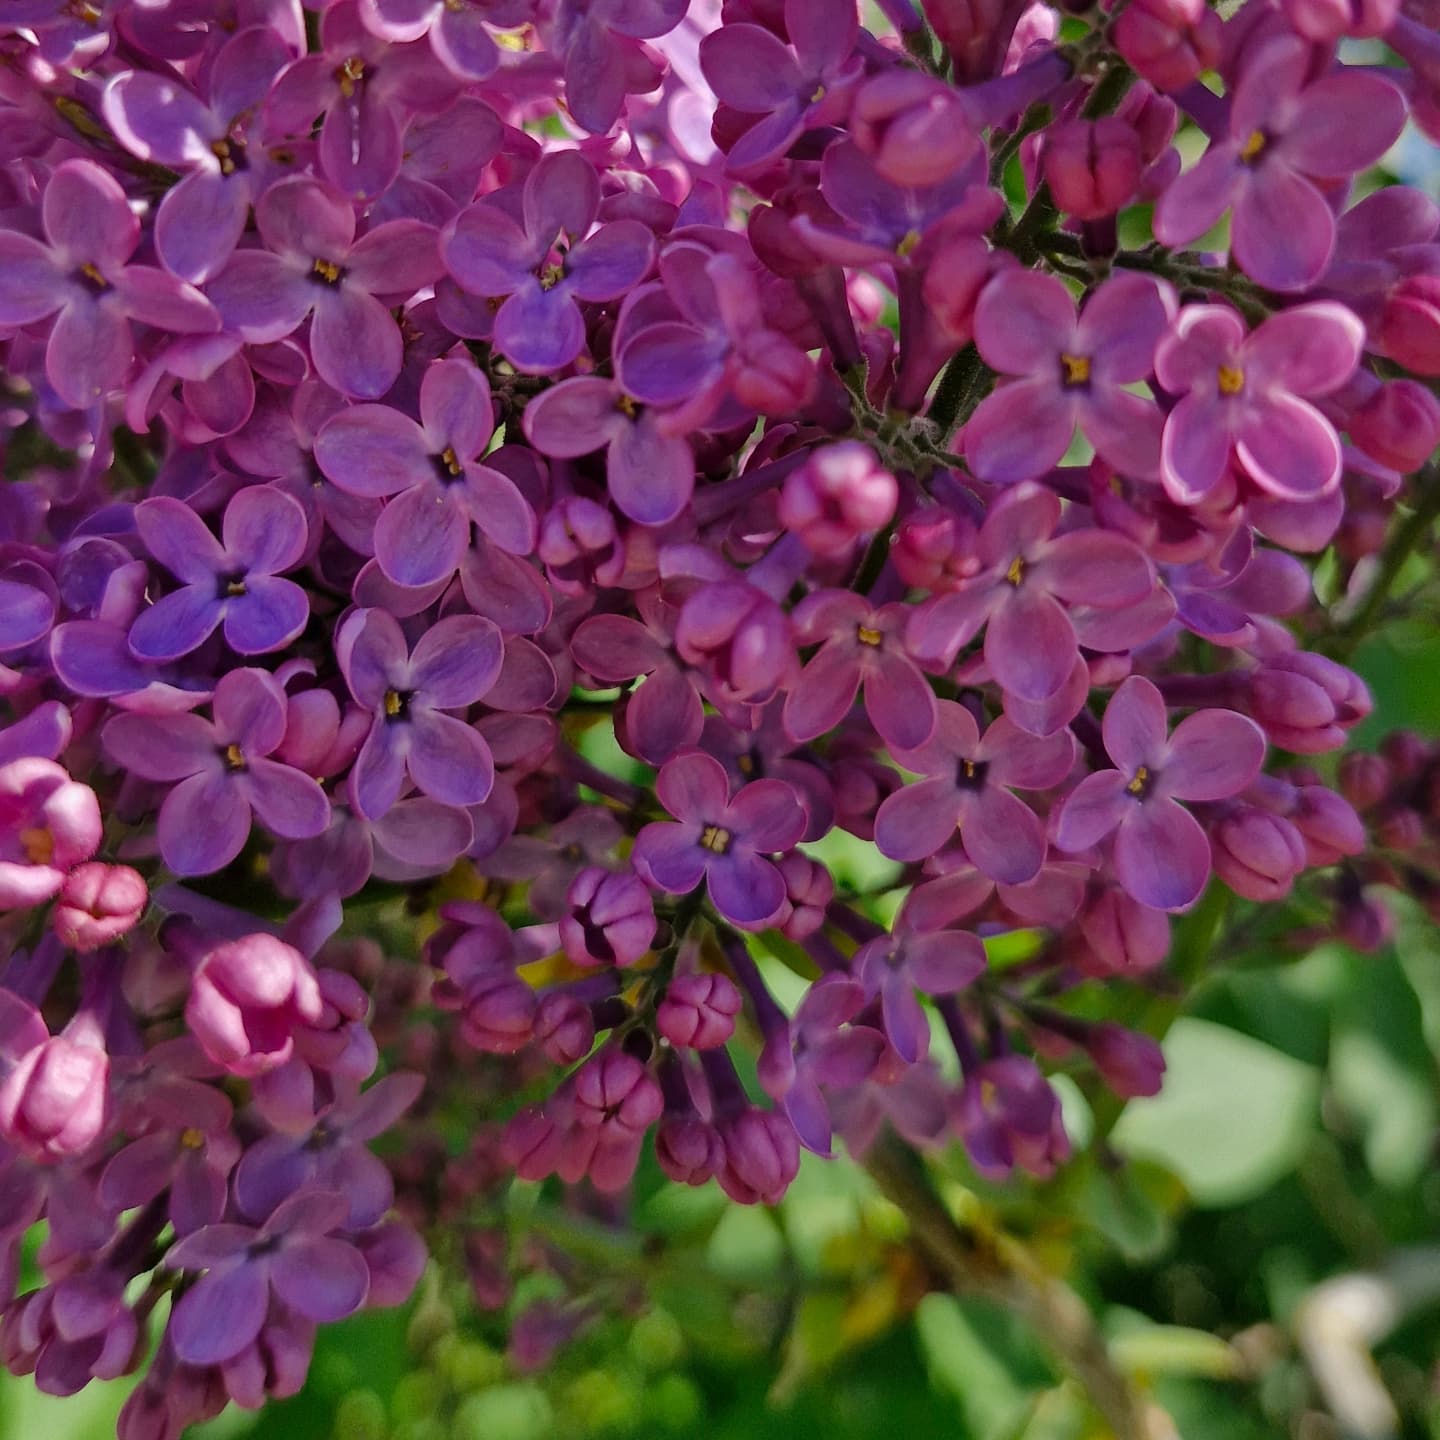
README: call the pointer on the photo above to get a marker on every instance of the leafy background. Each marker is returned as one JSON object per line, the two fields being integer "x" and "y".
{"x": 1295, "y": 1142}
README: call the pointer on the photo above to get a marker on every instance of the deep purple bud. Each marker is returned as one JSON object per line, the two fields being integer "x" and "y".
{"x": 698, "y": 1010}
{"x": 1325, "y": 21}
{"x": 611, "y": 919}
{"x": 1124, "y": 936}
{"x": 809, "y": 888}
{"x": 98, "y": 904}
{"x": 741, "y": 635}
{"x": 688, "y": 1149}
{"x": 497, "y": 1012}
{"x": 564, "y": 1028}
{"x": 1306, "y": 702}
{"x": 1365, "y": 779}
{"x": 840, "y": 494}
{"x": 762, "y": 1157}
{"x": 1328, "y": 825}
{"x": 1132, "y": 1064}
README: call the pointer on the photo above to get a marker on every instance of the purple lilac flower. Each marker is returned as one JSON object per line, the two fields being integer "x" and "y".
{"x": 650, "y": 474}
{"x": 222, "y": 772}
{"x": 313, "y": 264}
{"x": 861, "y": 645}
{"x": 83, "y": 277}
{"x": 540, "y": 327}
{"x": 200, "y": 220}
{"x": 408, "y": 692}
{"x": 1286, "y": 130}
{"x": 295, "y": 1256}
{"x": 1027, "y": 577}
{"x": 720, "y": 840}
{"x": 1248, "y": 396}
{"x": 1162, "y": 857}
{"x": 432, "y": 473}
{"x": 1069, "y": 370}
{"x": 27, "y": 607}
{"x": 786, "y": 89}
{"x": 1007, "y": 1114}
{"x": 894, "y": 967}
{"x": 456, "y": 29}
{"x": 968, "y": 788}
{"x": 235, "y": 581}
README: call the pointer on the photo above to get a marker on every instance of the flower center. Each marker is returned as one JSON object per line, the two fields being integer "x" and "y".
{"x": 1252, "y": 149}
{"x": 551, "y": 276}
{"x": 230, "y": 154}
{"x": 1016, "y": 573}
{"x": 1074, "y": 370}
{"x": 716, "y": 839}
{"x": 349, "y": 75}
{"x": 970, "y": 774}
{"x": 627, "y": 407}
{"x": 326, "y": 271}
{"x": 234, "y": 757}
{"x": 1231, "y": 379}
{"x": 1140, "y": 783}
{"x": 191, "y": 1138}
{"x": 868, "y": 635}
{"x": 818, "y": 96}
{"x": 92, "y": 279}
{"x": 229, "y": 587}
{"x": 396, "y": 703}
{"x": 447, "y": 464}
{"x": 38, "y": 844}
{"x": 907, "y": 244}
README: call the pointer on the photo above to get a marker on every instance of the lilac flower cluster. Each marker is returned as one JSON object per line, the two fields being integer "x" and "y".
{"x": 460, "y": 463}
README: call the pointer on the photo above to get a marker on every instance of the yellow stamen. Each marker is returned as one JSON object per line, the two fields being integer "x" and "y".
{"x": 94, "y": 276}
{"x": 1231, "y": 379}
{"x": 818, "y": 96}
{"x": 450, "y": 460}
{"x": 1016, "y": 573}
{"x": 1140, "y": 783}
{"x": 551, "y": 276}
{"x": 349, "y": 76}
{"x": 191, "y": 1138}
{"x": 235, "y": 589}
{"x": 1250, "y": 151}
{"x": 1076, "y": 368}
{"x": 626, "y": 406}
{"x": 394, "y": 704}
{"x": 866, "y": 636}
{"x": 328, "y": 271}
{"x": 38, "y": 844}
{"x": 234, "y": 757}
{"x": 716, "y": 839}
{"x": 908, "y": 244}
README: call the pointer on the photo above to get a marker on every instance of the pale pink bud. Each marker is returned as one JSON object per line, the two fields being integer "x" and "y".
{"x": 839, "y": 495}
{"x": 1169, "y": 42}
{"x": 1399, "y": 425}
{"x": 53, "y": 1103}
{"x": 98, "y": 904}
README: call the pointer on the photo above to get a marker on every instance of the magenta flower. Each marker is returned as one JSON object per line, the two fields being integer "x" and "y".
{"x": 1244, "y": 395}
{"x": 407, "y": 692}
{"x": 312, "y": 263}
{"x": 1162, "y": 857}
{"x": 235, "y": 581}
{"x": 610, "y": 918}
{"x": 786, "y": 89}
{"x": 968, "y": 788}
{"x": 83, "y": 277}
{"x": 540, "y": 327}
{"x": 1028, "y": 577}
{"x": 433, "y": 473}
{"x": 456, "y": 29}
{"x": 224, "y": 773}
{"x": 294, "y": 1255}
{"x": 98, "y": 903}
{"x": 55, "y": 1101}
{"x": 49, "y": 823}
{"x": 651, "y": 474}
{"x": 1071, "y": 370}
{"x": 200, "y": 220}
{"x": 861, "y": 645}
{"x": 1284, "y": 134}
{"x": 720, "y": 840}
{"x": 1008, "y": 1114}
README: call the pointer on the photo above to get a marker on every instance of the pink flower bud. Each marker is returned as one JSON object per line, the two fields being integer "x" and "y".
{"x": 1410, "y": 324}
{"x": 953, "y": 281}
{"x": 497, "y": 1012}
{"x": 1328, "y": 825}
{"x": 698, "y": 1011}
{"x": 1123, "y": 935}
{"x": 564, "y": 1028}
{"x": 1400, "y": 828}
{"x": 975, "y": 32}
{"x": 1325, "y": 21}
{"x": 1257, "y": 854}
{"x": 1399, "y": 425}
{"x": 53, "y": 1103}
{"x": 839, "y": 495}
{"x": 1169, "y": 42}
{"x": 688, "y": 1149}
{"x": 1132, "y": 1064}
{"x": 1364, "y": 779}
{"x": 1406, "y": 752}
{"x": 916, "y": 129}
{"x": 741, "y": 635}
{"x": 809, "y": 888}
{"x": 49, "y": 823}
{"x": 762, "y": 1157}
{"x": 774, "y": 376}
{"x": 1092, "y": 166}
{"x": 247, "y": 999}
{"x": 580, "y": 546}
{"x": 611, "y": 920}
{"x": 1365, "y": 922}
{"x": 1306, "y": 703}
{"x": 98, "y": 904}
{"x": 934, "y": 549}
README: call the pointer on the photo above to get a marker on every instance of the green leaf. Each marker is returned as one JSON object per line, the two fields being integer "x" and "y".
{"x": 1149, "y": 1350}
{"x": 1234, "y": 1115}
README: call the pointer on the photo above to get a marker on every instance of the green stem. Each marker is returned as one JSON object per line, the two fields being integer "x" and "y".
{"x": 955, "y": 388}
